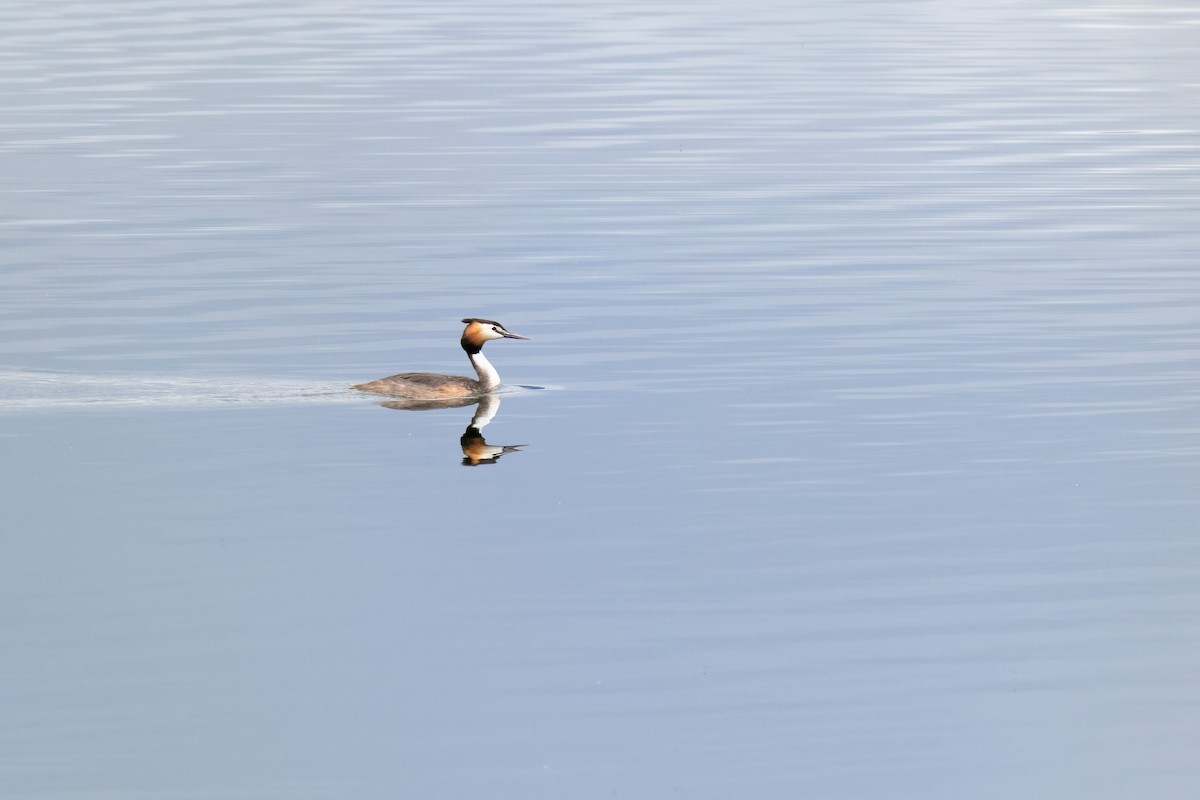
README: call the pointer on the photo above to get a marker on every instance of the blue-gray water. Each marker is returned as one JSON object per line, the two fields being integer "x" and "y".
{"x": 865, "y": 467}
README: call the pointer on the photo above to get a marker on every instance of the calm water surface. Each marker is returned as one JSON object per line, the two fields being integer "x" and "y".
{"x": 865, "y": 463}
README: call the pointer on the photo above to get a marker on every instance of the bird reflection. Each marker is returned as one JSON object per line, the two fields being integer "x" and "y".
{"x": 476, "y": 451}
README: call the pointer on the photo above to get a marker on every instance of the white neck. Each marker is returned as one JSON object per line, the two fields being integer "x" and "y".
{"x": 488, "y": 377}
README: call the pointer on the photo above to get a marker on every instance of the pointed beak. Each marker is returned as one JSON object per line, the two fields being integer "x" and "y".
{"x": 508, "y": 335}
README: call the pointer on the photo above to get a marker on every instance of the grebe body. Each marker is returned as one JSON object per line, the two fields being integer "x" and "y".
{"x": 432, "y": 386}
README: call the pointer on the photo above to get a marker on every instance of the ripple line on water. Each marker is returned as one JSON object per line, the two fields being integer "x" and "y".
{"x": 24, "y": 390}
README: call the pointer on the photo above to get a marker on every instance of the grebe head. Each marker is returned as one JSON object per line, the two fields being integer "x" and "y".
{"x": 479, "y": 331}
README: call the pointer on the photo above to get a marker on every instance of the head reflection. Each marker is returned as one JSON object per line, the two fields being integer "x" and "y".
{"x": 476, "y": 451}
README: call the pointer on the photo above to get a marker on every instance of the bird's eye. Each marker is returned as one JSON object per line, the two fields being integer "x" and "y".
{"x": 497, "y": 330}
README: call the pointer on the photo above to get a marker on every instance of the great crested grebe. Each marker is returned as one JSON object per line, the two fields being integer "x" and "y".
{"x": 431, "y": 386}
